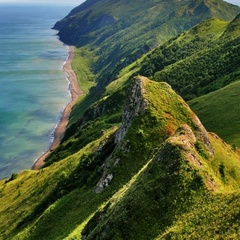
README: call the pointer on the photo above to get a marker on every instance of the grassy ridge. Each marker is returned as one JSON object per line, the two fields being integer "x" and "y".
{"x": 32, "y": 206}
{"x": 199, "y": 61}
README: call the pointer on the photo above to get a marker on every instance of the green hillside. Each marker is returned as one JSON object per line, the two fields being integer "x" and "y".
{"x": 219, "y": 112}
{"x": 117, "y": 33}
{"x": 202, "y": 60}
{"x": 160, "y": 161}
{"x": 199, "y": 61}
{"x": 112, "y": 34}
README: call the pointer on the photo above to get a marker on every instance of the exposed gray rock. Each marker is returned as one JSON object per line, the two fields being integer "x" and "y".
{"x": 135, "y": 105}
{"x": 104, "y": 182}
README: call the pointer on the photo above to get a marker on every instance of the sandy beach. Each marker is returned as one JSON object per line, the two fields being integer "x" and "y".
{"x": 61, "y": 127}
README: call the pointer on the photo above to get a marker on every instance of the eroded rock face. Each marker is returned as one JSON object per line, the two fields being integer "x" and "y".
{"x": 136, "y": 105}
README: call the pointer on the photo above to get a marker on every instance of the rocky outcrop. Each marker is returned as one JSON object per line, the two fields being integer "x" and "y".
{"x": 193, "y": 146}
{"x": 135, "y": 105}
{"x": 193, "y": 138}
{"x": 103, "y": 182}
{"x": 185, "y": 138}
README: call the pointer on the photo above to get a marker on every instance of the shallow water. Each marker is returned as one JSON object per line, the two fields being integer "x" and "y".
{"x": 33, "y": 87}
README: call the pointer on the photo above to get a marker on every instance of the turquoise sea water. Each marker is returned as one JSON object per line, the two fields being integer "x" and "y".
{"x": 33, "y": 87}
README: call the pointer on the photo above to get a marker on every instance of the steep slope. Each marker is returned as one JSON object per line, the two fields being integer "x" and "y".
{"x": 137, "y": 179}
{"x": 233, "y": 28}
{"x": 200, "y": 60}
{"x": 219, "y": 112}
{"x": 176, "y": 196}
{"x": 119, "y": 32}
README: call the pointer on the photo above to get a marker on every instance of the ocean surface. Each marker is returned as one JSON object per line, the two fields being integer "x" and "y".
{"x": 33, "y": 86}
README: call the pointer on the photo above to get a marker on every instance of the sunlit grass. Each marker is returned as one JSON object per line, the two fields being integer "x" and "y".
{"x": 219, "y": 112}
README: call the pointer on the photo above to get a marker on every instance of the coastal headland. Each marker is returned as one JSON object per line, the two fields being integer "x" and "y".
{"x": 61, "y": 127}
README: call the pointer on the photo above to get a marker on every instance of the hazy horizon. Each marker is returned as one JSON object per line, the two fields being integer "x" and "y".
{"x": 55, "y": 2}
{"x": 237, "y": 2}
{"x": 73, "y": 2}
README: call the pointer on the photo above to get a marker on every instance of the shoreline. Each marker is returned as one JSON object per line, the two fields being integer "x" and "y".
{"x": 75, "y": 92}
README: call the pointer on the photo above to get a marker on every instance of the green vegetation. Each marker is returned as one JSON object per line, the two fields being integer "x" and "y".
{"x": 136, "y": 162}
{"x": 192, "y": 212}
{"x": 82, "y": 68}
{"x": 117, "y": 33}
{"x": 153, "y": 169}
{"x": 104, "y": 114}
{"x": 32, "y": 207}
{"x": 199, "y": 61}
{"x": 219, "y": 110}
{"x": 202, "y": 60}
{"x": 81, "y": 65}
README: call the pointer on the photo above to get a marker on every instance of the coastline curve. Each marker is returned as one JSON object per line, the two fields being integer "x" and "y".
{"x": 75, "y": 92}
